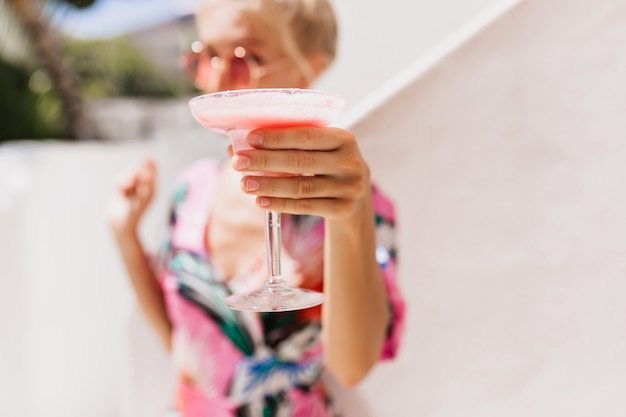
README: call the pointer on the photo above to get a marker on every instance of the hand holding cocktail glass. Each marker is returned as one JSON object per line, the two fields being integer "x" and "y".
{"x": 236, "y": 113}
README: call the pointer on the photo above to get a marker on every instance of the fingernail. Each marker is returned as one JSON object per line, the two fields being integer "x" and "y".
{"x": 264, "y": 202}
{"x": 241, "y": 162}
{"x": 255, "y": 139}
{"x": 252, "y": 185}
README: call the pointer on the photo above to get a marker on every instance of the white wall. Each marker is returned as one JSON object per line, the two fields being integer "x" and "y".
{"x": 506, "y": 162}
{"x": 73, "y": 343}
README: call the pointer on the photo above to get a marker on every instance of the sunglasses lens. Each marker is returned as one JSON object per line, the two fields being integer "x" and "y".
{"x": 240, "y": 72}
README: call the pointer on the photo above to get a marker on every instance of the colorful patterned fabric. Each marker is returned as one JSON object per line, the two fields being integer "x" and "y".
{"x": 239, "y": 364}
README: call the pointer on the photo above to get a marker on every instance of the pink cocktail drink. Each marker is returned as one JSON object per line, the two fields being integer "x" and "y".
{"x": 235, "y": 114}
{"x": 224, "y": 122}
{"x": 238, "y": 135}
{"x": 240, "y": 111}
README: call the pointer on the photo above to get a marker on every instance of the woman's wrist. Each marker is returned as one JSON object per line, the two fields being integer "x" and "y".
{"x": 125, "y": 237}
{"x": 361, "y": 214}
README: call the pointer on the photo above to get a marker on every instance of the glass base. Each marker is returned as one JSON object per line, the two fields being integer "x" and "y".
{"x": 274, "y": 298}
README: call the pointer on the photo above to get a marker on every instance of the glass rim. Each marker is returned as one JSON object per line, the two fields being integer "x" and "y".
{"x": 286, "y": 91}
{"x": 280, "y": 105}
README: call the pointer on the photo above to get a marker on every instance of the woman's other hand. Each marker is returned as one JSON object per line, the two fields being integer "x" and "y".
{"x": 329, "y": 177}
{"x": 132, "y": 195}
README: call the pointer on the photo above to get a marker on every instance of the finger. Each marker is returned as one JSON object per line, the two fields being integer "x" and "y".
{"x": 300, "y": 187}
{"x": 325, "y": 207}
{"x": 147, "y": 171}
{"x": 128, "y": 181}
{"x": 303, "y": 137}
{"x": 146, "y": 178}
{"x": 126, "y": 185}
{"x": 337, "y": 163}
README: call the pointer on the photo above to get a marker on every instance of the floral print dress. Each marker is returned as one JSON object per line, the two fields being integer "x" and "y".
{"x": 242, "y": 364}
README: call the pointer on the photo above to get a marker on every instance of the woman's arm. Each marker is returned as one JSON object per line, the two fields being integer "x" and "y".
{"x": 127, "y": 206}
{"x": 355, "y": 315}
{"x": 146, "y": 286}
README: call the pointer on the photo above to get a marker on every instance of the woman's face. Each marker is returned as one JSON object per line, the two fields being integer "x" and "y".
{"x": 223, "y": 30}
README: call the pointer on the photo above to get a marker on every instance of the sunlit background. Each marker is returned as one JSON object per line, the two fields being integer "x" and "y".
{"x": 496, "y": 126}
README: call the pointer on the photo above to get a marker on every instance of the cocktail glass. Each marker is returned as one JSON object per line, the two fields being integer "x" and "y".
{"x": 235, "y": 113}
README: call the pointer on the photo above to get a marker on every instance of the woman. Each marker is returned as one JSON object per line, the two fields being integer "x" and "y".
{"x": 246, "y": 364}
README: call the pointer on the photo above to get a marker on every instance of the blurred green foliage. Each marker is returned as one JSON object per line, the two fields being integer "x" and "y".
{"x": 116, "y": 68}
{"x": 30, "y": 109}
{"x": 24, "y": 113}
{"x": 30, "y": 104}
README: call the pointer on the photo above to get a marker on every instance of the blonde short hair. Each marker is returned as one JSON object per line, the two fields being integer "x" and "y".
{"x": 303, "y": 27}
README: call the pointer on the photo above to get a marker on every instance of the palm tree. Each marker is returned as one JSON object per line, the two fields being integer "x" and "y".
{"x": 28, "y": 39}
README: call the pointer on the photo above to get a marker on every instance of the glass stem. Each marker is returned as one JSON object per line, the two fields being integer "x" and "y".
{"x": 273, "y": 243}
